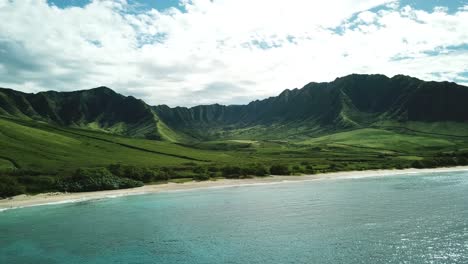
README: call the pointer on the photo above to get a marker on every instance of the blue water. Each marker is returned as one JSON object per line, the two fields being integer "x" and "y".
{"x": 399, "y": 219}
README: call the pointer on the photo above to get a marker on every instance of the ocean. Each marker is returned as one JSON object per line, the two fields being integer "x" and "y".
{"x": 416, "y": 218}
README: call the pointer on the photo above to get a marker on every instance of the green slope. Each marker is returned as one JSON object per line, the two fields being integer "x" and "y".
{"x": 351, "y": 102}
{"x": 99, "y": 109}
{"x": 41, "y": 153}
{"x": 41, "y": 146}
{"x": 44, "y": 147}
{"x": 356, "y": 122}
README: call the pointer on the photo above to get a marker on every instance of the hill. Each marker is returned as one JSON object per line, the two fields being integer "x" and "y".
{"x": 351, "y": 102}
{"x": 99, "y": 139}
{"x": 97, "y": 109}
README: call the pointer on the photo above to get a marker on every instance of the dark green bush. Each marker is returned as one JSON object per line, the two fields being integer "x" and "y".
{"x": 418, "y": 164}
{"x": 200, "y": 170}
{"x": 462, "y": 161}
{"x": 96, "y": 179}
{"x": 309, "y": 169}
{"x": 297, "y": 169}
{"x": 201, "y": 177}
{"x": 333, "y": 167}
{"x": 138, "y": 173}
{"x": 213, "y": 169}
{"x": 9, "y": 186}
{"x": 201, "y": 173}
{"x": 38, "y": 183}
{"x": 261, "y": 170}
{"x": 231, "y": 171}
{"x": 436, "y": 162}
{"x": 280, "y": 169}
{"x": 249, "y": 170}
{"x": 400, "y": 166}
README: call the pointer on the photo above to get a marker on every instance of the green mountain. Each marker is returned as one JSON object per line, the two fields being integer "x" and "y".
{"x": 98, "y": 139}
{"x": 351, "y": 102}
{"x": 98, "y": 109}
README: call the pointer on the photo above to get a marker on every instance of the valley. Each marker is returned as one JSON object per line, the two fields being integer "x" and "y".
{"x": 358, "y": 122}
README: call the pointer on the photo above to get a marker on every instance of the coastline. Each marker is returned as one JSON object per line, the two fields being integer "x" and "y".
{"x": 22, "y": 201}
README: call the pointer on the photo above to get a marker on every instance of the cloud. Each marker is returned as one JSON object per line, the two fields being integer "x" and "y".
{"x": 18, "y": 59}
{"x": 228, "y": 93}
{"x": 224, "y": 51}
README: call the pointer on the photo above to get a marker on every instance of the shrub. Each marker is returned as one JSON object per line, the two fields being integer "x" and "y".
{"x": 201, "y": 173}
{"x": 462, "y": 161}
{"x": 201, "y": 177}
{"x": 333, "y": 167}
{"x": 167, "y": 174}
{"x": 309, "y": 169}
{"x": 280, "y": 169}
{"x": 400, "y": 166}
{"x": 39, "y": 183}
{"x": 417, "y": 164}
{"x": 261, "y": 170}
{"x": 297, "y": 169}
{"x": 136, "y": 173}
{"x": 200, "y": 170}
{"x": 95, "y": 179}
{"x": 231, "y": 171}
{"x": 213, "y": 169}
{"x": 9, "y": 186}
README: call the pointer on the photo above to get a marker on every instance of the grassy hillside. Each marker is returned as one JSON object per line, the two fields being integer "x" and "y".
{"x": 98, "y": 139}
{"x": 36, "y": 156}
{"x": 41, "y": 146}
{"x": 351, "y": 102}
{"x": 99, "y": 109}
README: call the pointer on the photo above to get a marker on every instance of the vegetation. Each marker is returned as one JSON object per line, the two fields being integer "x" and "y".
{"x": 98, "y": 139}
{"x": 9, "y": 186}
{"x": 52, "y": 155}
{"x": 280, "y": 169}
{"x": 95, "y": 179}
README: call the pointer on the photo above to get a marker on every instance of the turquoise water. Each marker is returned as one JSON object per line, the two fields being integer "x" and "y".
{"x": 400, "y": 219}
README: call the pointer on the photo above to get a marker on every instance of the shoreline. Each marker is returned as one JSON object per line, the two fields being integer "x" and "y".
{"x": 22, "y": 201}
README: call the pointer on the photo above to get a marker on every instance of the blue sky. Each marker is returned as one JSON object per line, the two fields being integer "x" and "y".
{"x": 143, "y": 4}
{"x": 192, "y": 52}
{"x": 427, "y": 5}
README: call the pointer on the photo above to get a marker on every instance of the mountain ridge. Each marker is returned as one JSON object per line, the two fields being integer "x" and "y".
{"x": 348, "y": 102}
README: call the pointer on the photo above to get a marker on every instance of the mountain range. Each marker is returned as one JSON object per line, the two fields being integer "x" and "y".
{"x": 350, "y": 102}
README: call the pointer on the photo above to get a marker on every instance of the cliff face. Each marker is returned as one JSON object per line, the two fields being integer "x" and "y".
{"x": 347, "y": 102}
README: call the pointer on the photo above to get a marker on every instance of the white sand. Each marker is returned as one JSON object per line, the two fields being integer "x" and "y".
{"x": 57, "y": 198}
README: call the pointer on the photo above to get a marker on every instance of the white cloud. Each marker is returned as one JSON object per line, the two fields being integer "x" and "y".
{"x": 367, "y": 17}
{"x": 225, "y": 51}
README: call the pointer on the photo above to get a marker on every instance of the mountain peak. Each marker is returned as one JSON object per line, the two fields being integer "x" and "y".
{"x": 358, "y": 76}
{"x": 104, "y": 89}
{"x": 355, "y": 100}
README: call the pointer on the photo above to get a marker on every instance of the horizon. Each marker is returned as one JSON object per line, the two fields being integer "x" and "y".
{"x": 192, "y": 52}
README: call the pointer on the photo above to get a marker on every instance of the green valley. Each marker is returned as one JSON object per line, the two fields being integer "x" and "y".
{"x": 98, "y": 139}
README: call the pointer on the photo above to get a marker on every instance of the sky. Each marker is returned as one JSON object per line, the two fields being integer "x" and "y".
{"x": 191, "y": 52}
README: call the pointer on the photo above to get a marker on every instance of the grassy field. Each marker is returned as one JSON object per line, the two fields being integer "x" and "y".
{"x": 55, "y": 152}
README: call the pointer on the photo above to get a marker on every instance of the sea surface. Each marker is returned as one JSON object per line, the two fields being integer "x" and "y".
{"x": 417, "y": 218}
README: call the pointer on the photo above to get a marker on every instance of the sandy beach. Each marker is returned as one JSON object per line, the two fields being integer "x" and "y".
{"x": 21, "y": 201}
